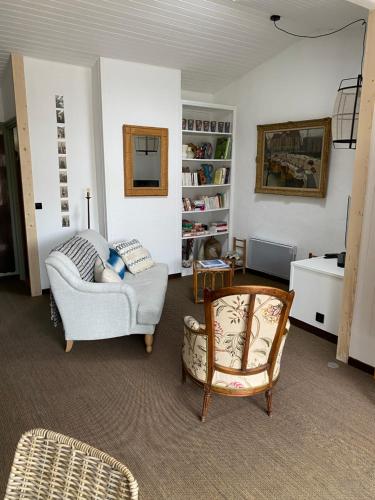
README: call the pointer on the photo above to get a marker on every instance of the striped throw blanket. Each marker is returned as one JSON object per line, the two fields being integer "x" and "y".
{"x": 83, "y": 255}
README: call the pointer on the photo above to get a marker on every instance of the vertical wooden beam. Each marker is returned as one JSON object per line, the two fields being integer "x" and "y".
{"x": 361, "y": 164}
{"x": 26, "y": 173}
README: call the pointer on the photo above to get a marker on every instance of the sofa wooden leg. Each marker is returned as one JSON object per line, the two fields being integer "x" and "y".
{"x": 68, "y": 345}
{"x": 183, "y": 373}
{"x": 149, "y": 339}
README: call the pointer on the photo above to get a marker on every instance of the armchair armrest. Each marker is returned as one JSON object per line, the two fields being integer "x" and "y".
{"x": 194, "y": 348}
{"x": 194, "y": 326}
{"x": 287, "y": 328}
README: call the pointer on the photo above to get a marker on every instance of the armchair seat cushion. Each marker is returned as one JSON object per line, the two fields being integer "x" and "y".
{"x": 150, "y": 287}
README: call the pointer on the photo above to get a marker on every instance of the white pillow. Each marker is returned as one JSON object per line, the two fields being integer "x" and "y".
{"x": 104, "y": 274}
{"x": 136, "y": 257}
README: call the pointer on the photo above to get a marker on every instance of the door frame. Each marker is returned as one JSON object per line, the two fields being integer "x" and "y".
{"x": 11, "y": 195}
{"x": 16, "y": 212}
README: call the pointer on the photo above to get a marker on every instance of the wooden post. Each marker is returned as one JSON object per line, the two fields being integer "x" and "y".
{"x": 360, "y": 175}
{"x": 26, "y": 173}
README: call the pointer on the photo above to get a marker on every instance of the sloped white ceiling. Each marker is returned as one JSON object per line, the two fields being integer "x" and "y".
{"x": 213, "y": 42}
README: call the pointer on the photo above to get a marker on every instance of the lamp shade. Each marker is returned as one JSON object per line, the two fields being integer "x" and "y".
{"x": 345, "y": 113}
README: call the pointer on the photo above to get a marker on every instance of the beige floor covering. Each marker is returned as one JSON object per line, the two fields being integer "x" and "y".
{"x": 320, "y": 442}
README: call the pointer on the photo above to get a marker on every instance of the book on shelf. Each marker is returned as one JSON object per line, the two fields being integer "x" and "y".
{"x": 222, "y": 150}
{"x": 220, "y": 200}
{"x": 218, "y": 227}
{"x": 192, "y": 228}
{"x": 214, "y": 263}
{"x": 199, "y": 178}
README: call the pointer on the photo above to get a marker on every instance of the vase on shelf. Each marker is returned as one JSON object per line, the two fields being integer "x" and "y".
{"x": 212, "y": 248}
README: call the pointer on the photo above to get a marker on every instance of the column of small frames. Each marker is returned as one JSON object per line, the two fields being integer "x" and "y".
{"x": 62, "y": 159}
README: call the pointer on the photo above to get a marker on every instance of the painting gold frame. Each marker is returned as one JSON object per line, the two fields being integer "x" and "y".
{"x": 128, "y": 132}
{"x": 263, "y": 165}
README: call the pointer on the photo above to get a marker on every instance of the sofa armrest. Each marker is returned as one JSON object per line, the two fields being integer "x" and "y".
{"x": 91, "y": 310}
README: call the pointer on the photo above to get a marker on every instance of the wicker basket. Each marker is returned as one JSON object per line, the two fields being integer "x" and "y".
{"x": 50, "y": 465}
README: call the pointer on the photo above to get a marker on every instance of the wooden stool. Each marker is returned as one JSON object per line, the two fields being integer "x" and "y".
{"x": 211, "y": 277}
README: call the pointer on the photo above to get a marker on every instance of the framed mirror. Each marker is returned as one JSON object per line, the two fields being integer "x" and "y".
{"x": 145, "y": 160}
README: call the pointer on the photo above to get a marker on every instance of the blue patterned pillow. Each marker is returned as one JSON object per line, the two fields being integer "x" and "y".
{"x": 116, "y": 263}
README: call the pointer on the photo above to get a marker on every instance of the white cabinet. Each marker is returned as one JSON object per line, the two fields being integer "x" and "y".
{"x": 317, "y": 283}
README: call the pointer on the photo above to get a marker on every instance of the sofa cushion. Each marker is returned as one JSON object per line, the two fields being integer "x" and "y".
{"x": 135, "y": 256}
{"x": 150, "y": 287}
{"x": 104, "y": 273}
{"x": 116, "y": 263}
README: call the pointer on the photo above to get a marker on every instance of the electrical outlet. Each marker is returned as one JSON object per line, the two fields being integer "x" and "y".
{"x": 319, "y": 317}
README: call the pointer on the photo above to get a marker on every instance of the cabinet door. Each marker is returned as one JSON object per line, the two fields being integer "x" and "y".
{"x": 316, "y": 293}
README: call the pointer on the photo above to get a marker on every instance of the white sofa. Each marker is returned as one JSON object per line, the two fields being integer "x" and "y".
{"x": 91, "y": 311}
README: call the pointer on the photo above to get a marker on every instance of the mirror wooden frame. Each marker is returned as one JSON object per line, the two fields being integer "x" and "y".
{"x": 128, "y": 132}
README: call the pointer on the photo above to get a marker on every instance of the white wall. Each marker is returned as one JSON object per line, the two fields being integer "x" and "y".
{"x": 139, "y": 94}
{"x": 362, "y": 341}
{"x": 298, "y": 84}
{"x": 44, "y": 79}
{"x": 7, "y": 94}
{"x": 191, "y": 95}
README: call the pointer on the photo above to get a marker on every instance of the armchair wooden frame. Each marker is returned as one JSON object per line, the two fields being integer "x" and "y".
{"x": 209, "y": 297}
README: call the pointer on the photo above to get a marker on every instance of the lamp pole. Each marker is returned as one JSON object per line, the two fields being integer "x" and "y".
{"x": 88, "y": 198}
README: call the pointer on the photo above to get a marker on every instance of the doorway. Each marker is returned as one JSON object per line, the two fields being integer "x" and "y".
{"x": 12, "y": 224}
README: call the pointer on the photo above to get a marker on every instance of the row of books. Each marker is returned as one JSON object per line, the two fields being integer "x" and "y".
{"x": 202, "y": 176}
{"x": 220, "y": 200}
{"x": 218, "y": 227}
{"x": 193, "y": 228}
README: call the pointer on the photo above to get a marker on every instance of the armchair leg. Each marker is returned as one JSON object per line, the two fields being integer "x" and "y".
{"x": 206, "y": 403}
{"x": 149, "y": 339}
{"x": 68, "y": 345}
{"x": 269, "y": 402}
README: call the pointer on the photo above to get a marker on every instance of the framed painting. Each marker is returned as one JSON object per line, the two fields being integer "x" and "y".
{"x": 292, "y": 158}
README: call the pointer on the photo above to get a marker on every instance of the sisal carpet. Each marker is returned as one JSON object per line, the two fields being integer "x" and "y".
{"x": 319, "y": 444}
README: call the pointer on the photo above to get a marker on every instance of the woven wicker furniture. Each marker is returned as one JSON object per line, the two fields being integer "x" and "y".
{"x": 211, "y": 277}
{"x": 238, "y": 351}
{"x": 49, "y": 465}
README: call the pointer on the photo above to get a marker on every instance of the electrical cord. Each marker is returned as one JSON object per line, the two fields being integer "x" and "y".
{"x": 364, "y": 23}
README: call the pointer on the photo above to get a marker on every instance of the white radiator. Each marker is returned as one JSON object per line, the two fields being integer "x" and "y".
{"x": 270, "y": 257}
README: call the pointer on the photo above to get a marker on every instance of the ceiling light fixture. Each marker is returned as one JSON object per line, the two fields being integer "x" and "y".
{"x": 346, "y": 108}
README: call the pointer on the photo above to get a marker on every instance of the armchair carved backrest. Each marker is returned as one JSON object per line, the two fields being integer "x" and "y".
{"x": 246, "y": 329}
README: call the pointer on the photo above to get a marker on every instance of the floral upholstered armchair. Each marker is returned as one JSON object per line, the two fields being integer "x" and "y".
{"x": 238, "y": 351}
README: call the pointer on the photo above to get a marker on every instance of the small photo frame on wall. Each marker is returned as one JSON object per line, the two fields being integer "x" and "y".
{"x": 60, "y": 116}
{"x": 63, "y": 174}
{"x": 65, "y": 221}
{"x": 61, "y": 147}
{"x": 60, "y": 132}
{"x": 64, "y": 205}
{"x": 59, "y": 100}
{"x": 63, "y": 191}
{"x": 62, "y": 162}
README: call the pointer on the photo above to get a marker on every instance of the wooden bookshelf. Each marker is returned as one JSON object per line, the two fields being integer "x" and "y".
{"x": 217, "y": 112}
